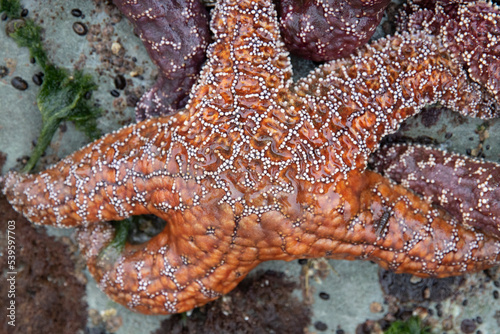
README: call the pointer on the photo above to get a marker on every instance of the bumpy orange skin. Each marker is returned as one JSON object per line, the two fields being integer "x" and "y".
{"x": 256, "y": 169}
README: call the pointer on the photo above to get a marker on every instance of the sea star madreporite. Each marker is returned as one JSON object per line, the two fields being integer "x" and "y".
{"x": 258, "y": 168}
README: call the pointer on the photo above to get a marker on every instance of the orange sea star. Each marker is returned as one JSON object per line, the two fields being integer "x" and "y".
{"x": 258, "y": 168}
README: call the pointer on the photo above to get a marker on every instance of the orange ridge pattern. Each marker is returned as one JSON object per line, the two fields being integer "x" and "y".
{"x": 258, "y": 168}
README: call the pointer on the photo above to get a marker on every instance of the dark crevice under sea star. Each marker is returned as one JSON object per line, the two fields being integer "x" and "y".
{"x": 258, "y": 168}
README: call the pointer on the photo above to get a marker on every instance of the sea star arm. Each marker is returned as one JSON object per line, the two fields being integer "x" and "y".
{"x": 326, "y": 30}
{"x": 175, "y": 34}
{"x": 366, "y": 218}
{"x": 127, "y": 172}
{"x": 467, "y": 188}
{"x": 397, "y": 229}
{"x": 192, "y": 261}
{"x": 353, "y": 103}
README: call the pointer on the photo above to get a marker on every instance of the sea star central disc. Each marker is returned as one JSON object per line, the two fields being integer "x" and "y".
{"x": 257, "y": 168}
